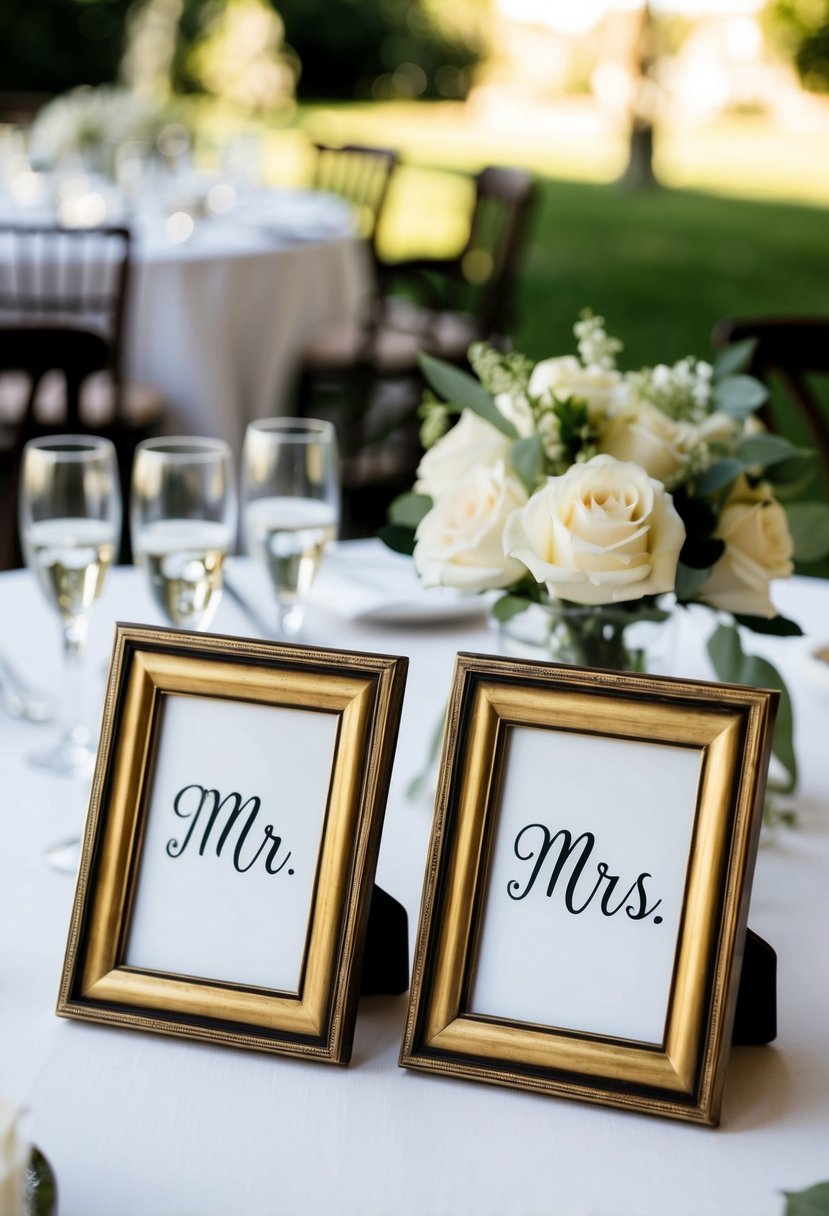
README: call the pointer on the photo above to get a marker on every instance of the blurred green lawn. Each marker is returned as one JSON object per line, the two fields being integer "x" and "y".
{"x": 742, "y": 228}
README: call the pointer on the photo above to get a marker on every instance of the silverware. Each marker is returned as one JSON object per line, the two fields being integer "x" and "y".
{"x": 263, "y": 627}
{"x": 20, "y": 699}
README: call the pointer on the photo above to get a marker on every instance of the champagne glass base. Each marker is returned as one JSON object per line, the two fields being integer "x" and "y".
{"x": 71, "y": 757}
{"x": 64, "y": 856}
{"x": 289, "y": 619}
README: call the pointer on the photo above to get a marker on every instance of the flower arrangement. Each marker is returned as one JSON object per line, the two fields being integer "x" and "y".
{"x": 570, "y": 482}
{"x": 87, "y": 121}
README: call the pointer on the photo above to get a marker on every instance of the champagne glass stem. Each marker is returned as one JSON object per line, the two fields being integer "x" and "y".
{"x": 75, "y": 731}
{"x": 74, "y": 755}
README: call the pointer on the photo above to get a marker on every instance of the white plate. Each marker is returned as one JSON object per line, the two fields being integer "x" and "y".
{"x": 365, "y": 581}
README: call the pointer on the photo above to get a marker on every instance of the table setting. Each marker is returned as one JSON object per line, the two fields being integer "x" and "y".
{"x": 230, "y": 277}
{"x": 141, "y": 1121}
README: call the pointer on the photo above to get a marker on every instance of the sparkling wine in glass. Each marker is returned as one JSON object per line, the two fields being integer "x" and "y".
{"x": 70, "y": 519}
{"x": 183, "y": 522}
{"x": 291, "y": 506}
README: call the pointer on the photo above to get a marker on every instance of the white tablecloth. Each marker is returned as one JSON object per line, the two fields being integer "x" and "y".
{"x": 136, "y": 1124}
{"x": 218, "y": 323}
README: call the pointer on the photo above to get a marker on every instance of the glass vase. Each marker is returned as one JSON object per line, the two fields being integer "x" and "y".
{"x": 615, "y": 637}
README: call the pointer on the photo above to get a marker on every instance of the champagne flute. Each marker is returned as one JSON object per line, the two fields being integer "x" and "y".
{"x": 182, "y": 523}
{"x": 292, "y": 503}
{"x": 70, "y": 518}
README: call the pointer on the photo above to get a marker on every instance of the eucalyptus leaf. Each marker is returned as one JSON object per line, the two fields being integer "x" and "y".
{"x": 688, "y": 581}
{"x": 776, "y": 626}
{"x": 809, "y": 526}
{"x": 719, "y": 475}
{"x": 527, "y": 459}
{"x": 739, "y": 396}
{"x": 409, "y": 509}
{"x": 766, "y": 449}
{"x": 791, "y": 477}
{"x": 733, "y": 666}
{"x": 398, "y": 537}
{"x": 459, "y": 388}
{"x": 509, "y": 606}
{"x": 814, "y": 1201}
{"x": 734, "y": 358}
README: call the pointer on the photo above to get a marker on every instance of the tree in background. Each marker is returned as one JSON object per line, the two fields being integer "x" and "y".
{"x": 50, "y": 47}
{"x": 800, "y": 30}
{"x": 381, "y": 48}
{"x": 346, "y": 48}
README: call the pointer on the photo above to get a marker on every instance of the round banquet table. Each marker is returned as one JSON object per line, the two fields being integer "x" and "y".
{"x": 218, "y": 323}
{"x": 135, "y": 1123}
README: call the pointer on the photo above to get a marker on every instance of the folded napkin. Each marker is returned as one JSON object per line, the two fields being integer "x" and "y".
{"x": 363, "y": 580}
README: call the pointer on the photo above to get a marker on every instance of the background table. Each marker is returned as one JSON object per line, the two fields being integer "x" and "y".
{"x": 136, "y": 1124}
{"x": 218, "y": 323}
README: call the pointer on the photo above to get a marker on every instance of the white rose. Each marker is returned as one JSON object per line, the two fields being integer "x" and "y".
{"x": 601, "y": 533}
{"x": 518, "y": 411}
{"x": 650, "y": 438}
{"x": 460, "y": 542}
{"x": 471, "y": 442}
{"x": 758, "y": 548}
{"x": 565, "y": 376}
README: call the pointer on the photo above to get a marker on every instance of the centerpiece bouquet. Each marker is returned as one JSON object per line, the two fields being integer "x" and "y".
{"x": 91, "y": 123}
{"x": 598, "y": 499}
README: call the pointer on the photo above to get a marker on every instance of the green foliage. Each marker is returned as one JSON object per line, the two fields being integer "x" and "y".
{"x": 499, "y": 372}
{"x": 739, "y": 396}
{"x": 733, "y": 359}
{"x": 718, "y": 476}
{"x": 48, "y": 48}
{"x": 733, "y": 666}
{"x": 509, "y": 606}
{"x": 409, "y": 509}
{"x": 809, "y": 526}
{"x": 800, "y": 29}
{"x": 459, "y": 388}
{"x": 355, "y": 48}
{"x": 527, "y": 459}
{"x": 398, "y": 537}
{"x": 814, "y": 1201}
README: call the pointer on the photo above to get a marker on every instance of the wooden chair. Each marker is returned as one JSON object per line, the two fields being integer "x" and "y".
{"x": 63, "y": 295}
{"x": 361, "y": 175}
{"x": 367, "y": 370}
{"x": 789, "y": 351}
{"x": 452, "y": 302}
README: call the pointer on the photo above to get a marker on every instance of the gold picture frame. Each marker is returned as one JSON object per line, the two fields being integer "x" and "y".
{"x": 181, "y": 924}
{"x": 531, "y": 969}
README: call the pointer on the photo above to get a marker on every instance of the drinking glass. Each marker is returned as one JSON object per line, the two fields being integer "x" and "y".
{"x": 291, "y": 506}
{"x": 182, "y": 523}
{"x": 70, "y": 519}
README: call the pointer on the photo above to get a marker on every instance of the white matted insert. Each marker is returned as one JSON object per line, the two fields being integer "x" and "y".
{"x": 232, "y": 841}
{"x": 561, "y": 943}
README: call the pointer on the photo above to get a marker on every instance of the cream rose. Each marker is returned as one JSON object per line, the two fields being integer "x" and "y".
{"x": 601, "y": 533}
{"x": 659, "y": 443}
{"x": 472, "y": 442}
{"x": 518, "y": 411}
{"x": 758, "y": 548}
{"x": 650, "y": 438}
{"x": 565, "y": 377}
{"x": 459, "y": 543}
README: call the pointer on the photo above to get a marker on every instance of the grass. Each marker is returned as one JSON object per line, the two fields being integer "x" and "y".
{"x": 740, "y": 229}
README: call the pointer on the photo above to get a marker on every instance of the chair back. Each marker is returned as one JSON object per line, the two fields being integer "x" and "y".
{"x": 486, "y": 269}
{"x": 361, "y": 175}
{"x": 62, "y": 297}
{"x": 790, "y": 351}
